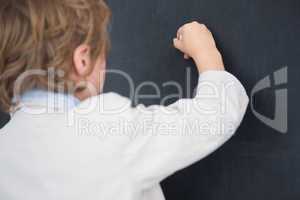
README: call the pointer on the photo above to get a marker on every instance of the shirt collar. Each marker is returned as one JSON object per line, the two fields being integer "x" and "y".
{"x": 49, "y": 99}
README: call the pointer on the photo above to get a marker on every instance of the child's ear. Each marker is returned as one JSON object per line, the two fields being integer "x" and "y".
{"x": 82, "y": 60}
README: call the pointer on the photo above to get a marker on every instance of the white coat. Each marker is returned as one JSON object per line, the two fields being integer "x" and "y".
{"x": 104, "y": 149}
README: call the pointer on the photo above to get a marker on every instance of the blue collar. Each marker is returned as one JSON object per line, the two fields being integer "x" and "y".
{"x": 49, "y": 99}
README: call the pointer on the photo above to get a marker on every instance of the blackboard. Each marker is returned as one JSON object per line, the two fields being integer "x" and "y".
{"x": 256, "y": 38}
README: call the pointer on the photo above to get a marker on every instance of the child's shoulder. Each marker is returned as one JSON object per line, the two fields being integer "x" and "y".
{"x": 105, "y": 104}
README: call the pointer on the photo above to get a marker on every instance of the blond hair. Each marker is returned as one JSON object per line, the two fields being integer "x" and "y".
{"x": 39, "y": 34}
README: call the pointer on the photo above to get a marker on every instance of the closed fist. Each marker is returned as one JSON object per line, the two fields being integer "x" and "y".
{"x": 196, "y": 41}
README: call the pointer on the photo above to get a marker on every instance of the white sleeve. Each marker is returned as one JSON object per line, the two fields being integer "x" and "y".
{"x": 174, "y": 137}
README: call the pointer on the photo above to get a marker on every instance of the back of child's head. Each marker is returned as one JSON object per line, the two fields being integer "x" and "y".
{"x": 43, "y": 34}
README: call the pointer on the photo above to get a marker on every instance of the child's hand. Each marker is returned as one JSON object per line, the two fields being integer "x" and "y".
{"x": 196, "y": 41}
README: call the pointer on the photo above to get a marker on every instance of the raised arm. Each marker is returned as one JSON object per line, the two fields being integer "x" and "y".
{"x": 174, "y": 137}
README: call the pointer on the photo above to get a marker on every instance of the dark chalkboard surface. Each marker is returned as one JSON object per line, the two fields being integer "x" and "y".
{"x": 256, "y": 38}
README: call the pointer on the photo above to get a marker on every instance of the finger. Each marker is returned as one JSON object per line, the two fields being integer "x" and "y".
{"x": 186, "y": 56}
{"x": 177, "y": 43}
{"x": 179, "y": 32}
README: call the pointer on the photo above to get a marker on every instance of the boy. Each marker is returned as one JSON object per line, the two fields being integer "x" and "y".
{"x": 53, "y": 52}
